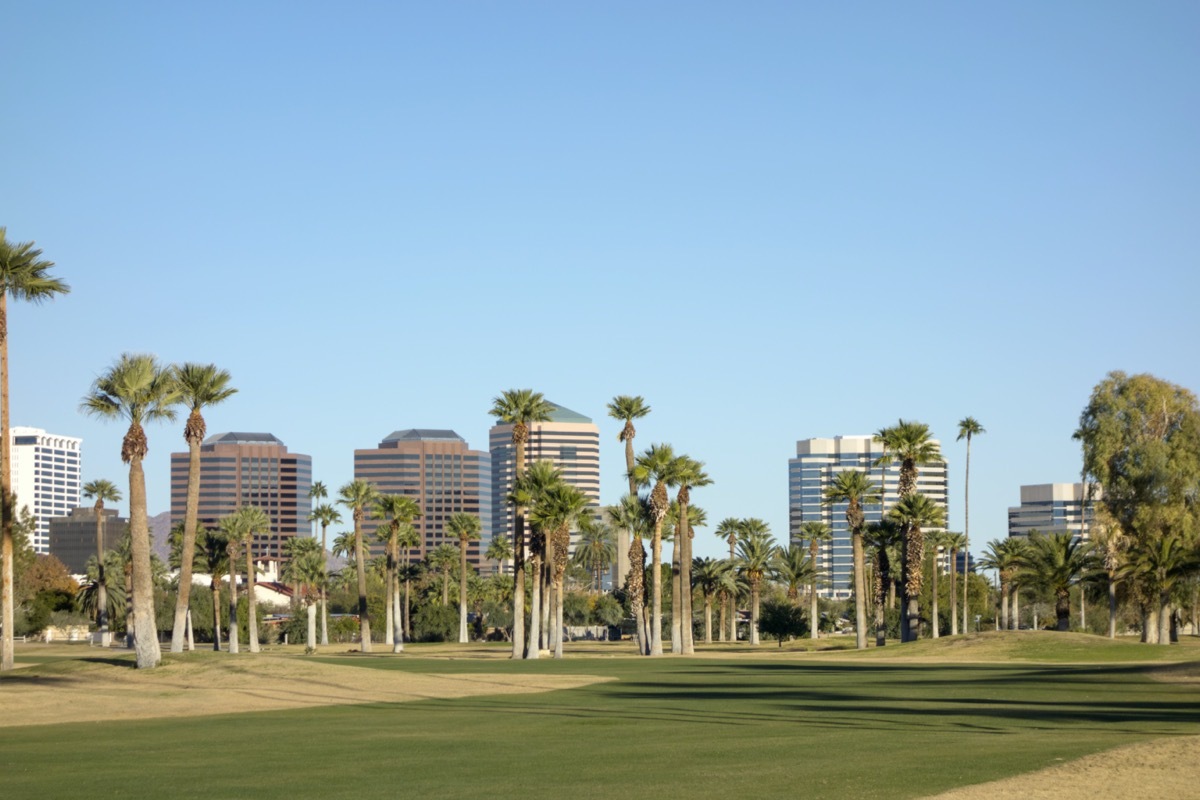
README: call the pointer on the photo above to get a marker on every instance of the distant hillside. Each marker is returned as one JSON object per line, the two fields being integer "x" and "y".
{"x": 160, "y": 529}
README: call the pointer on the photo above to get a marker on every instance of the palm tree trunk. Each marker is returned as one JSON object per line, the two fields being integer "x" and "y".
{"x": 101, "y": 586}
{"x": 1165, "y": 610}
{"x": 234, "y": 630}
{"x": 1014, "y": 618}
{"x": 558, "y": 616}
{"x": 860, "y": 591}
{"x": 364, "y": 621}
{"x": 754, "y": 613}
{"x": 707, "y": 619}
{"x": 312, "y": 627}
{"x": 216, "y": 603}
{"x": 636, "y": 583}
{"x": 145, "y": 631}
{"x": 183, "y": 594}
{"x": 397, "y": 613}
{"x": 1003, "y": 606}
{"x": 324, "y": 586}
{"x": 191, "y": 637}
{"x": 881, "y": 582}
{"x": 676, "y": 595}
{"x": 462, "y": 592}
{"x": 129, "y": 618}
{"x": 1062, "y": 610}
{"x": 1112, "y": 608}
{"x": 966, "y": 536}
{"x": 935, "y": 622}
{"x": 7, "y": 500}
{"x": 535, "y": 607}
{"x": 954, "y": 593}
{"x": 389, "y": 622}
{"x": 656, "y": 626}
{"x": 544, "y": 642}
{"x": 813, "y": 622}
{"x": 251, "y": 600}
{"x": 722, "y": 626}
{"x": 518, "y": 623}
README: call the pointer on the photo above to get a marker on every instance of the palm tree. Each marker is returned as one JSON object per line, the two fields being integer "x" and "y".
{"x": 855, "y": 489}
{"x": 1004, "y": 556}
{"x": 232, "y": 533}
{"x": 1158, "y": 566}
{"x": 200, "y": 386}
{"x": 794, "y": 568}
{"x": 102, "y": 490}
{"x": 626, "y": 408}
{"x": 137, "y": 389}
{"x": 912, "y": 444}
{"x": 356, "y": 496}
{"x": 728, "y": 529}
{"x": 466, "y": 527}
{"x": 955, "y": 543}
{"x": 632, "y": 515}
{"x": 912, "y": 514}
{"x": 500, "y": 549}
{"x": 24, "y": 275}
{"x": 408, "y": 538}
{"x": 938, "y": 540}
{"x": 306, "y": 569}
{"x": 688, "y": 474}
{"x": 213, "y": 548}
{"x": 596, "y": 549}
{"x": 1055, "y": 562}
{"x": 655, "y": 466}
{"x": 882, "y": 537}
{"x": 395, "y": 510}
{"x": 558, "y": 511}
{"x": 442, "y": 560}
{"x": 968, "y": 427}
{"x": 88, "y": 598}
{"x": 756, "y": 552}
{"x": 253, "y": 521}
{"x": 326, "y": 515}
{"x": 528, "y": 491}
{"x": 816, "y": 533}
{"x": 706, "y": 572}
{"x": 520, "y": 408}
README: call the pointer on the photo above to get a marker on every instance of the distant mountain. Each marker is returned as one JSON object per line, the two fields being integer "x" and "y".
{"x": 160, "y": 530}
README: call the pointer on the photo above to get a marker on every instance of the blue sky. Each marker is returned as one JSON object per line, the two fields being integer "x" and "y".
{"x": 773, "y": 220}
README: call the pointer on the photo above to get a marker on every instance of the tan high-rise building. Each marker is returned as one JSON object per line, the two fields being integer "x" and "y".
{"x": 569, "y": 439}
{"x": 438, "y": 470}
{"x": 248, "y": 469}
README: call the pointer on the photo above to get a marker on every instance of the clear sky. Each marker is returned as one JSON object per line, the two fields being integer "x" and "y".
{"x": 772, "y": 220}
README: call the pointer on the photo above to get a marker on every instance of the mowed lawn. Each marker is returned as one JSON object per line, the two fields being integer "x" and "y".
{"x": 749, "y": 726}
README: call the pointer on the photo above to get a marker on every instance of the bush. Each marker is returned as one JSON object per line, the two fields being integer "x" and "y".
{"x": 781, "y": 620}
{"x": 435, "y": 623}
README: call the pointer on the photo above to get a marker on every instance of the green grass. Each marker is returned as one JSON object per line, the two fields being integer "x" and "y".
{"x": 761, "y": 725}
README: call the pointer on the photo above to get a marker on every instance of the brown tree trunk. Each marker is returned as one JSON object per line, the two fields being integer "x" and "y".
{"x": 364, "y": 622}
{"x": 7, "y": 500}
{"x": 191, "y": 511}
{"x": 101, "y": 585}
{"x": 216, "y": 603}
{"x": 251, "y": 600}
{"x": 145, "y": 630}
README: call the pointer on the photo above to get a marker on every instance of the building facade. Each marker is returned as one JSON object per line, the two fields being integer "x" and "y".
{"x": 568, "y": 439}
{"x": 248, "y": 469}
{"x": 1053, "y": 508}
{"x": 442, "y": 474}
{"x": 73, "y": 538}
{"x": 47, "y": 471}
{"x": 816, "y": 466}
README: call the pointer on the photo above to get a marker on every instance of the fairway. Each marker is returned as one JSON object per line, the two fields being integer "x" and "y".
{"x": 834, "y": 726}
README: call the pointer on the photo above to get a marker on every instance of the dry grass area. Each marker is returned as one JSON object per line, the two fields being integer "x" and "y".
{"x": 94, "y": 690}
{"x": 1161, "y": 768}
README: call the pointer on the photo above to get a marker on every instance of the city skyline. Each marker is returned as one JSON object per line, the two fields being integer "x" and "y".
{"x": 773, "y": 223}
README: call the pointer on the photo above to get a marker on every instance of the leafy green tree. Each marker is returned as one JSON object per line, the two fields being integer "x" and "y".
{"x": 466, "y": 528}
{"x": 357, "y": 495}
{"x": 102, "y": 490}
{"x": 1141, "y": 443}
{"x": 200, "y": 386}
{"x": 25, "y": 276}
{"x": 782, "y": 620}
{"x": 137, "y": 389}
{"x": 520, "y": 408}
{"x": 855, "y": 489}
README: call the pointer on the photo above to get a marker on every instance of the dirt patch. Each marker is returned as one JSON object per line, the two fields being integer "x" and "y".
{"x": 94, "y": 691}
{"x": 1161, "y": 768}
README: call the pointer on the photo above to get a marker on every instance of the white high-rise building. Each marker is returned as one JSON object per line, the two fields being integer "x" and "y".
{"x": 1053, "y": 508}
{"x": 815, "y": 467}
{"x": 46, "y": 475}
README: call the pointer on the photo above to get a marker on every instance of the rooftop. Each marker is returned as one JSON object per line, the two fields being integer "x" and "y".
{"x": 564, "y": 414}
{"x": 239, "y": 437}
{"x": 423, "y": 435}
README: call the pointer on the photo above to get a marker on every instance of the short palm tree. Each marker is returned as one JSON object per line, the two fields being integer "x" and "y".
{"x": 25, "y": 276}
{"x": 1158, "y": 566}
{"x": 102, "y": 490}
{"x": 1054, "y": 562}
{"x": 214, "y": 553}
{"x": 520, "y": 408}
{"x": 466, "y": 528}
{"x": 408, "y": 539}
{"x": 357, "y": 495}
{"x": 855, "y": 489}
{"x": 1005, "y": 557}
{"x": 232, "y": 529}
{"x": 137, "y": 389}
{"x": 954, "y": 543}
{"x": 305, "y": 569}
{"x": 882, "y": 538}
{"x": 728, "y": 530}
{"x": 596, "y": 550}
{"x": 655, "y": 468}
{"x": 557, "y": 512}
{"x": 395, "y": 510}
{"x": 632, "y": 514}
{"x": 756, "y": 552}
{"x": 499, "y": 550}
{"x": 793, "y": 568}
{"x": 200, "y": 386}
{"x": 252, "y": 522}
{"x": 913, "y": 513}
{"x": 706, "y": 574}
{"x": 817, "y": 533}
{"x": 326, "y": 515}
{"x": 968, "y": 427}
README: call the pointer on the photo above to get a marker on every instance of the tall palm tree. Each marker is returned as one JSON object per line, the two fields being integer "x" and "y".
{"x": 938, "y": 540}
{"x": 357, "y": 495}
{"x": 689, "y": 474}
{"x": 558, "y": 511}
{"x": 816, "y": 533}
{"x": 728, "y": 529}
{"x": 408, "y": 538}
{"x": 24, "y": 275}
{"x": 519, "y": 408}
{"x": 101, "y": 490}
{"x": 318, "y": 491}
{"x": 632, "y": 515}
{"x": 912, "y": 444}
{"x": 855, "y": 489}
{"x": 625, "y": 409}
{"x": 232, "y": 529}
{"x": 968, "y": 427}
{"x": 253, "y": 522}
{"x": 913, "y": 513}
{"x": 655, "y": 467}
{"x": 395, "y": 510}
{"x": 200, "y": 386}
{"x": 955, "y": 543}
{"x": 756, "y": 552}
{"x": 1005, "y": 557}
{"x": 137, "y": 389}
{"x": 466, "y": 528}
{"x": 1055, "y": 562}
{"x": 326, "y": 515}
{"x": 528, "y": 491}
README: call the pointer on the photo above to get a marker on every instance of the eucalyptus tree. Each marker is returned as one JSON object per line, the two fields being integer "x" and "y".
{"x": 1054, "y": 562}
{"x": 102, "y": 490}
{"x": 632, "y": 514}
{"x": 883, "y": 538}
{"x": 655, "y": 468}
{"x": 325, "y": 515}
{"x": 756, "y": 552}
{"x": 200, "y": 386}
{"x": 519, "y": 408}
{"x": 816, "y": 533}
{"x": 913, "y": 513}
{"x": 955, "y": 543}
{"x": 625, "y": 409}
{"x": 688, "y": 474}
{"x": 25, "y": 276}
{"x": 395, "y": 511}
{"x": 136, "y": 389}
{"x": 968, "y": 427}
{"x": 912, "y": 444}
{"x": 855, "y": 489}
{"x": 466, "y": 528}
{"x": 358, "y": 495}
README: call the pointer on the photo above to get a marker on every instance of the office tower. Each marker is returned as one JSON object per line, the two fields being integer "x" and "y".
{"x": 46, "y": 475}
{"x": 442, "y": 474}
{"x": 248, "y": 469}
{"x": 568, "y": 439}
{"x": 73, "y": 538}
{"x": 1053, "y": 508}
{"x": 815, "y": 467}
